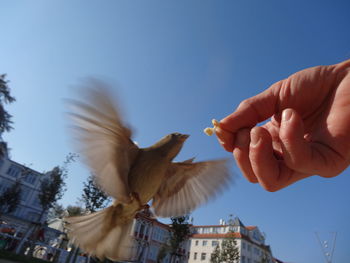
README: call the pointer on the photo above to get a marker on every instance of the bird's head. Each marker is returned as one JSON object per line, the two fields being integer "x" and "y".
{"x": 171, "y": 144}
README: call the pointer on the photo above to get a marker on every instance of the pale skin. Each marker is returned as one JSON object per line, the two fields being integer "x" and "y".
{"x": 307, "y": 132}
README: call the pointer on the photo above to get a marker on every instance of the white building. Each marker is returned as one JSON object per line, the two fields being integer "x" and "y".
{"x": 250, "y": 242}
{"x": 29, "y": 209}
{"x": 150, "y": 236}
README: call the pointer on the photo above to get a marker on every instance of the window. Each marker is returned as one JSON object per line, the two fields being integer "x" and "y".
{"x": 206, "y": 230}
{"x": 32, "y": 216}
{"x": 36, "y": 201}
{"x": 30, "y": 178}
{"x": 203, "y": 256}
{"x": 13, "y": 171}
{"x": 243, "y": 259}
{"x": 142, "y": 229}
{"x": 233, "y": 229}
{"x": 18, "y": 212}
{"x": 204, "y": 243}
{"x": 3, "y": 186}
{"x": 196, "y": 244}
{"x": 249, "y": 247}
{"x": 249, "y": 261}
{"x": 214, "y": 243}
{"x": 195, "y": 255}
{"x": 158, "y": 234}
{"x": 25, "y": 193}
{"x": 243, "y": 245}
{"x": 256, "y": 236}
{"x": 153, "y": 252}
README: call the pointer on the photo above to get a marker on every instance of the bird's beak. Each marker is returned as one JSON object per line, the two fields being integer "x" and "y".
{"x": 183, "y": 137}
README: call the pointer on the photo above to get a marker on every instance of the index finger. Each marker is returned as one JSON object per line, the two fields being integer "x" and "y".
{"x": 253, "y": 110}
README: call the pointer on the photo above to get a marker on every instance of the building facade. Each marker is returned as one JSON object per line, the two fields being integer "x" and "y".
{"x": 151, "y": 236}
{"x": 29, "y": 209}
{"x": 250, "y": 242}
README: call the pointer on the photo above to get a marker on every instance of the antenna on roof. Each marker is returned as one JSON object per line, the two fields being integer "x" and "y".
{"x": 230, "y": 221}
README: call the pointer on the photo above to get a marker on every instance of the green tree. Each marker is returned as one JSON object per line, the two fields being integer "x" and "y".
{"x": 74, "y": 210}
{"x": 5, "y": 97}
{"x": 180, "y": 233}
{"x": 215, "y": 256}
{"x": 163, "y": 251}
{"x": 51, "y": 189}
{"x": 5, "y": 117}
{"x": 93, "y": 197}
{"x": 59, "y": 211}
{"x": 264, "y": 258}
{"x": 10, "y": 198}
{"x": 228, "y": 252}
{"x": 229, "y": 249}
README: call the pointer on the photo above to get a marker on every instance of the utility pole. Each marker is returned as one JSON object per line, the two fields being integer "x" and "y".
{"x": 327, "y": 248}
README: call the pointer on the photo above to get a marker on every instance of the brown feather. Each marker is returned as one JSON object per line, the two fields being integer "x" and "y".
{"x": 104, "y": 141}
{"x": 188, "y": 185}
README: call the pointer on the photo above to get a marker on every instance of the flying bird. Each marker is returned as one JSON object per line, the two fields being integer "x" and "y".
{"x": 133, "y": 176}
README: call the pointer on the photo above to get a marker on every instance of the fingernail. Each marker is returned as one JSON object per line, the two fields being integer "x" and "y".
{"x": 254, "y": 138}
{"x": 221, "y": 142}
{"x": 287, "y": 114}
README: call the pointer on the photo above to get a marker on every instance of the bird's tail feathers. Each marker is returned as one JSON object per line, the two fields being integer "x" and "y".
{"x": 106, "y": 233}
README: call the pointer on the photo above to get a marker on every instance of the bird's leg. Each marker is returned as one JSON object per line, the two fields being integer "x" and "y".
{"x": 137, "y": 197}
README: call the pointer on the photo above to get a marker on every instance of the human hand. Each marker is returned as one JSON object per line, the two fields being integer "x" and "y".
{"x": 308, "y": 132}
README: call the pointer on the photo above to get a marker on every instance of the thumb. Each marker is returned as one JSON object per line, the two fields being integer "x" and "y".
{"x": 309, "y": 157}
{"x": 253, "y": 110}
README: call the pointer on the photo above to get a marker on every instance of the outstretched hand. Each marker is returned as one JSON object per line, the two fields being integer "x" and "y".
{"x": 308, "y": 132}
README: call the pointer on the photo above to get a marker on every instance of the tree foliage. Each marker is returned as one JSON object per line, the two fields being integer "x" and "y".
{"x": 74, "y": 210}
{"x": 163, "y": 251}
{"x": 52, "y": 187}
{"x": 215, "y": 256}
{"x": 59, "y": 211}
{"x": 180, "y": 233}
{"x": 5, "y": 97}
{"x": 228, "y": 252}
{"x": 264, "y": 258}
{"x": 93, "y": 197}
{"x": 10, "y": 198}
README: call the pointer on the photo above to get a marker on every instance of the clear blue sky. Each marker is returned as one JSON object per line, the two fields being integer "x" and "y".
{"x": 177, "y": 65}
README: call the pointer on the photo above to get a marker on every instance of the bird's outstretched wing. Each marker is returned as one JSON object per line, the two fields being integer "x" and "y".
{"x": 103, "y": 140}
{"x": 187, "y": 185}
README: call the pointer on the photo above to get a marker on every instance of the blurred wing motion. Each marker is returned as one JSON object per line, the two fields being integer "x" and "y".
{"x": 101, "y": 234}
{"x": 188, "y": 185}
{"x": 103, "y": 140}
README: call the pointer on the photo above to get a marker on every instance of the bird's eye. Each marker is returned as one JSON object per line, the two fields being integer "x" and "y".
{"x": 175, "y": 134}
